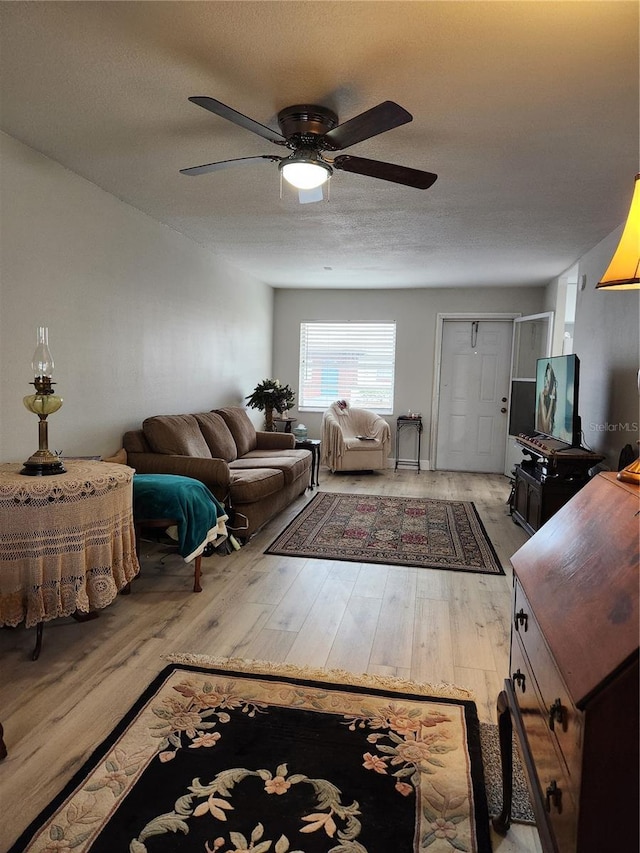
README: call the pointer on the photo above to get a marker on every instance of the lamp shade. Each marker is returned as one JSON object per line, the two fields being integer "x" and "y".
{"x": 304, "y": 170}
{"x": 304, "y": 176}
{"x": 623, "y": 273}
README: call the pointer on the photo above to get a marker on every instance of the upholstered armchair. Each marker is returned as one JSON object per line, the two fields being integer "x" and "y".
{"x": 354, "y": 439}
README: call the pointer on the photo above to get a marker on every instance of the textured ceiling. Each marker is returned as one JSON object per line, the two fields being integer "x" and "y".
{"x": 527, "y": 111}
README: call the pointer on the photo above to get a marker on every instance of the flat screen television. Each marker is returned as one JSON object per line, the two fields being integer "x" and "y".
{"x": 557, "y": 382}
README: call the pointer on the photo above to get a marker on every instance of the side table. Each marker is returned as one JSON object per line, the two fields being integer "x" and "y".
{"x": 312, "y": 444}
{"x": 406, "y": 422}
{"x": 67, "y": 542}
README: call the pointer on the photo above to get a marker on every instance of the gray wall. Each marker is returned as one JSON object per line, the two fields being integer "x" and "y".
{"x": 415, "y": 313}
{"x": 141, "y": 323}
{"x": 606, "y": 340}
{"x": 140, "y": 318}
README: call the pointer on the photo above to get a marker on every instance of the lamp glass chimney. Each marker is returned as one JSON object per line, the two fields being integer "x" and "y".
{"x": 42, "y": 362}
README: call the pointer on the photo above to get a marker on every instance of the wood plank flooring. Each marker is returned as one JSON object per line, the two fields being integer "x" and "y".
{"x": 421, "y": 624}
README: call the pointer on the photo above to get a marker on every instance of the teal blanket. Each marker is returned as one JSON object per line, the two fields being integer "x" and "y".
{"x": 199, "y": 516}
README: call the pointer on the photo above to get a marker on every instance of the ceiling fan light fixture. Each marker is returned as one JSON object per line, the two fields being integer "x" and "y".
{"x": 304, "y": 171}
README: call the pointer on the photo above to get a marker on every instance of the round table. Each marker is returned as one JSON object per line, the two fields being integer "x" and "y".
{"x": 67, "y": 541}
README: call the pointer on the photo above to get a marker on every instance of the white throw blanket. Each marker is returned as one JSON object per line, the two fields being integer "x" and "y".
{"x": 345, "y": 430}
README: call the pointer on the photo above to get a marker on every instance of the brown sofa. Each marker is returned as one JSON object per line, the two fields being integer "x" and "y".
{"x": 254, "y": 474}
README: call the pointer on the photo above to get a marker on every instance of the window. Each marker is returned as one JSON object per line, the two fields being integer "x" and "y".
{"x": 350, "y": 361}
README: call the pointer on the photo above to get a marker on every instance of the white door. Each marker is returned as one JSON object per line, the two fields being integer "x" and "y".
{"x": 474, "y": 392}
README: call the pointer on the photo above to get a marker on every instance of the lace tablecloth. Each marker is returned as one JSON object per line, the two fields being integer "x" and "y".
{"x": 67, "y": 541}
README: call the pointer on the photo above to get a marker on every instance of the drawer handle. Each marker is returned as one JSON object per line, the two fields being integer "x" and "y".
{"x": 554, "y": 797}
{"x": 522, "y": 619}
{"x": 519, "y": 679}
{"x": 556, "y": 714}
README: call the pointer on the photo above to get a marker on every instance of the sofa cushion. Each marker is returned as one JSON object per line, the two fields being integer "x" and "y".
{"x": 176, "y": 435}
{"x": 242, "y": 430}
{"x": 292, "y": 463}
{"x": 217, "y": 435}
{"x": 254, "y": 484}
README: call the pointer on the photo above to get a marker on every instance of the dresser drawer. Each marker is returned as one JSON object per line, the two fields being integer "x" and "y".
{"x": 557, "y": 791}
{"x": 562, "y": 718}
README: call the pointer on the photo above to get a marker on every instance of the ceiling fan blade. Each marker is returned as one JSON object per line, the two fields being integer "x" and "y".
{"x": 385, "y": 116}
{"x": 385, "y": 171}
{"x": 230, "y": 114}
{"x": 226, "y": 164}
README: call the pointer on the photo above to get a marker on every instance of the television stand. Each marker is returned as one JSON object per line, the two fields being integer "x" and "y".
{"x": 550, "y": 475}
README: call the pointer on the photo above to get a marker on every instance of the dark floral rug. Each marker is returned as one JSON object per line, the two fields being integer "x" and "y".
{"x": 423, "y": 532}
{"x": 238, "y": 756}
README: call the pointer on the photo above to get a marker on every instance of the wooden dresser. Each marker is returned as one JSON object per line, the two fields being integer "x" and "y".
{"x": 572, "y": 695}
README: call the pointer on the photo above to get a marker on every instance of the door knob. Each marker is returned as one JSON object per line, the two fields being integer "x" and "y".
{"x": 503, "y": 410}
{"x": 504, "y": 399}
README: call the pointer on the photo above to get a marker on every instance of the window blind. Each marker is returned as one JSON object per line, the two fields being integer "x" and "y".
{"x": 350, "y": 361}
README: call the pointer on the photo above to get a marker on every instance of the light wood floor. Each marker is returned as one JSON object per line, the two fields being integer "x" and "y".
{"x": 421, "y": 624}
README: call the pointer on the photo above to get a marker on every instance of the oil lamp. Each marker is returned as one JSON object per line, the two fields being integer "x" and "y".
{"x": 43, "y": 403}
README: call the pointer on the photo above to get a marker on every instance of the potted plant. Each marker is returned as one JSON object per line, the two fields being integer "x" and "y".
{"x": 270, "y": 395}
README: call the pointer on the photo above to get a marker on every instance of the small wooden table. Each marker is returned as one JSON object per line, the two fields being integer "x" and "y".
{"x": 410, "y": 422}
{"x": 312, "y": 444}
{"x": 165, "y": 500}
{"x": 67, "y": 542}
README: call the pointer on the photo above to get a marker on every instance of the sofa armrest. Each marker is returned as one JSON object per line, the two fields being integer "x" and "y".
{"x": 214, "y": 473}
{"x": 275, "y": 440}
{"x": 134, "y": 441}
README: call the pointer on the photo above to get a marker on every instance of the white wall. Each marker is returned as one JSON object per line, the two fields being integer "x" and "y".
{"x": 140, "y": 318}
{"x": 414, "y": 311}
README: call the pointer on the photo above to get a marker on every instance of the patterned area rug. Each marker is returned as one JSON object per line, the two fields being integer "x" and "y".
{"x": 232, "y": 756}
{"x": 423, "y": 532}
{"x": 521, "y": 808}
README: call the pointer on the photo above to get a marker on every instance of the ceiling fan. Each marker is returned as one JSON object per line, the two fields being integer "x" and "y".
{"x": 310, "y": 132}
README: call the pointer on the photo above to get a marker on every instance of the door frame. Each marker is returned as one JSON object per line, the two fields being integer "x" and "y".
{"x": 506, "y": 317}
{"x": 550, "y": 316}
